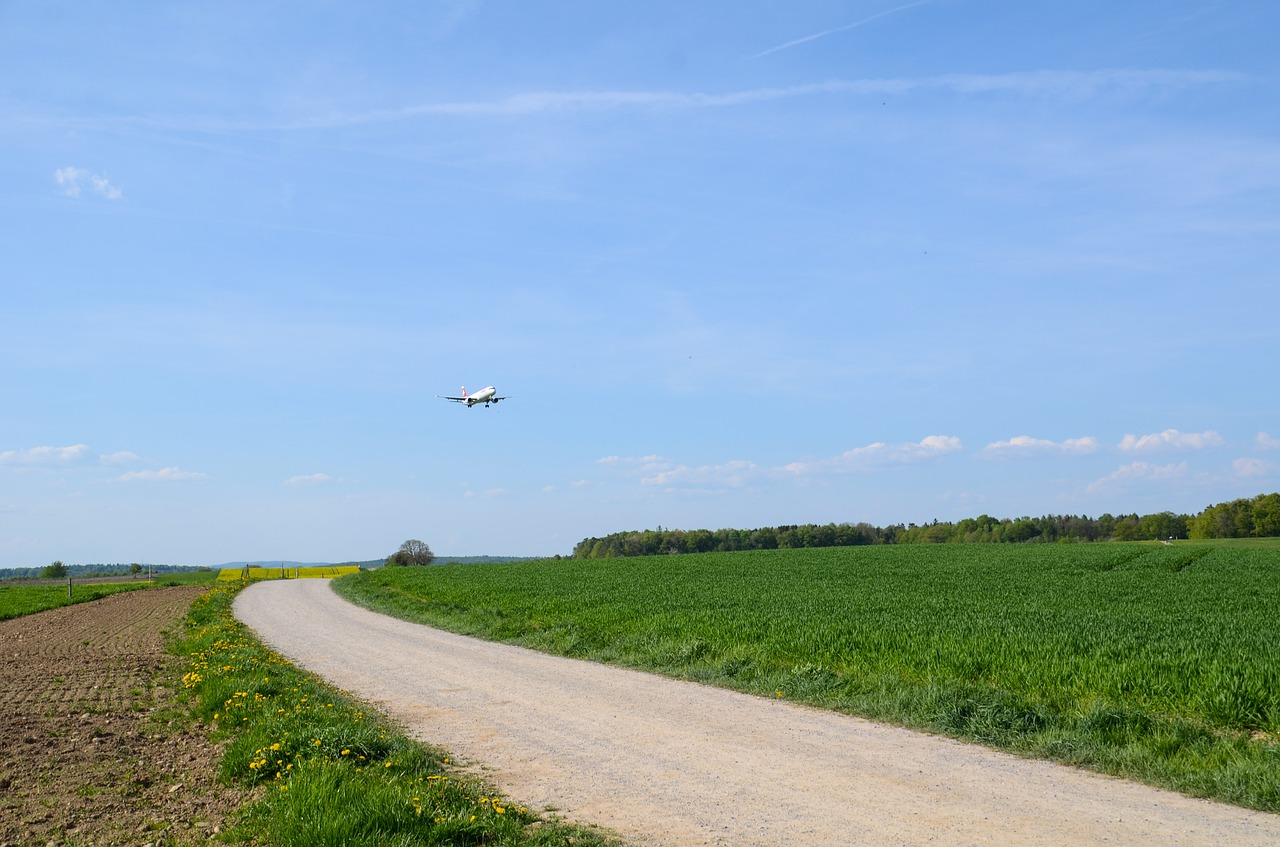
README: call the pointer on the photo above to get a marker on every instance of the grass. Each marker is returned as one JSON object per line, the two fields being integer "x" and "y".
{"x": 1153, "y": 662}
{"x": 255, "y": 574}
{"x": 19, "y": 600}
{"x": 330, "y": 770}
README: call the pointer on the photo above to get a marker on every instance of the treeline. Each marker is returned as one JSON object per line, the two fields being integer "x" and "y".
{"x": 84, "y": 571}
{"x": 1255, "y": 518}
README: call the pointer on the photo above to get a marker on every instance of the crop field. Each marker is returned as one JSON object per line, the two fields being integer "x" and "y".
{"x": 254, "y": 574}
{"x": 1154, "y": 662}
{"x": 19, "y": 600}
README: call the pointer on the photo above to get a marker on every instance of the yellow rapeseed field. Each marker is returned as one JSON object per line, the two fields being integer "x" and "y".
{"x": 252, "y": 574}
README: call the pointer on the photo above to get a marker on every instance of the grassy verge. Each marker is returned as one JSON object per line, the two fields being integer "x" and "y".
{"x": 1156, "y": 663}
{"x": 329, "y": 771}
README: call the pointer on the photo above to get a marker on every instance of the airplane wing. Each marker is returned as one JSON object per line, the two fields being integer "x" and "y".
{"x": 454, "y": 399}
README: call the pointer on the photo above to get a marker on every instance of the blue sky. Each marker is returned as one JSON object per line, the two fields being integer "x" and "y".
{"x": 736, "y": 264}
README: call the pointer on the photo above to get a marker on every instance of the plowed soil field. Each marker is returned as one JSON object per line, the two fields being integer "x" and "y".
{"x": 93, "y": 753}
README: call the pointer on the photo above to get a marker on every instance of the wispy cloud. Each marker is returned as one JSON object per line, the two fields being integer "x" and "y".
{"x": 1248, "y": 467}
{"x": 1137, "y": 471}
{"x": 74, "y": 181}
{"x": 44, "y": 455}
{"x": 878, "y": 454}
{"x": 162, "y": 475}
{"x": 1266, "y": 442}
{"x": 1026, "y": 445}
{"x": 1170, "y": 439}
{"x": 120, "y": 457}
{"x": 1074, "y": 85}
{"x": 806, "y": 39}
{"x": 309, "y": 479}
{"x": 732, "y": 474}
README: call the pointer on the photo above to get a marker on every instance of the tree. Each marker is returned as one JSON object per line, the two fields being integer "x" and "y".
{"x": 411, "y": 553}
{"x": 57, "y": 570}
{"x": 135, "y": 569}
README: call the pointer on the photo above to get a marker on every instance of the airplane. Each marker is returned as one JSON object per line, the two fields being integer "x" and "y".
{"x": 485, "y": 395}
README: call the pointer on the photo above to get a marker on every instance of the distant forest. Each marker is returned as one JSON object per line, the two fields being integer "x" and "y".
{"x": 1255, "y": 518}
{"x": 82, "y": 571}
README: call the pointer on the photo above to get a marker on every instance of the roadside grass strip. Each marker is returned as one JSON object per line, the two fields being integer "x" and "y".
{"x": 243, "y": 575}
{"x": 1151, "y": 662}
{"x": 327, "y": 769}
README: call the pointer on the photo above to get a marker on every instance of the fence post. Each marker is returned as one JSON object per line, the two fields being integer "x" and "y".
{"x": 68, "y": 588}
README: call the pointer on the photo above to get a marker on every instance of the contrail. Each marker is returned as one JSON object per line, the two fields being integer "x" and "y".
{"x": 825, "y": 33}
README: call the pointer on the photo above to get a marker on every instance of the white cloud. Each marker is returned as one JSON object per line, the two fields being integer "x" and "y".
{"x": 120, "y": 457}
{"x": 73, "y": 181}
{"x": 1266, "y": 442}
{"x": 1025, "y": 444}
{"x": 1138, "y": 471}
{"x": 877, "y": 454}
{"x": 1171, "y": 439}
{"x": 309, "y": 479}
{"x": 43, "y": 455}
{"x": 732, "y": 474}
{"x": 162, "y": 475}
{"x": 1251, "y": 467}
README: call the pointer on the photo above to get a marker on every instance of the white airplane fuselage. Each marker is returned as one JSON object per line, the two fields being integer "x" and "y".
{"x": 485, "y": 395}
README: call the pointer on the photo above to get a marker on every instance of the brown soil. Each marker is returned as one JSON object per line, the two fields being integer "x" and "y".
{"x": 95, "y": 752}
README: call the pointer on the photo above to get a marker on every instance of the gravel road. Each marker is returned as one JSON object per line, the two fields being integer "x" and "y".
{"x": 664, "y": 762}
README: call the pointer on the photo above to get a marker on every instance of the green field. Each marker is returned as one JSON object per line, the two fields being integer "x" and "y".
{"x": 1155, "y": 662}
{"x": 19, "y": 600}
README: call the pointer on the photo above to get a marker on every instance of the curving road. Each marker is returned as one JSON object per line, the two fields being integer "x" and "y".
{"x": 665, "y": 762}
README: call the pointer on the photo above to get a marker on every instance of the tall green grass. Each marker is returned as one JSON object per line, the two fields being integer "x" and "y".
{"x": 330, "y": 771}
{"x": 1159, "y": 663}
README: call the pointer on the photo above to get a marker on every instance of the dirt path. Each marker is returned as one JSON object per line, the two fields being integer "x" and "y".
{"x": 89, "y": 754}
{"x": 672, "y": 763}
